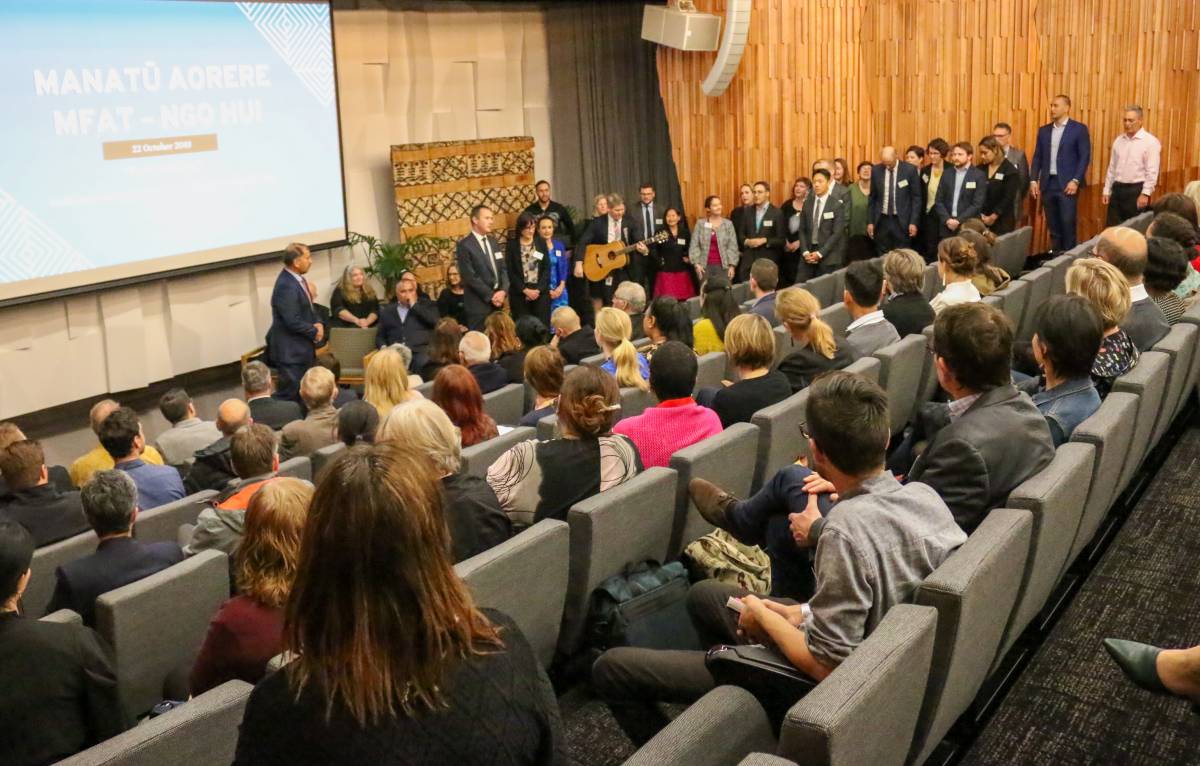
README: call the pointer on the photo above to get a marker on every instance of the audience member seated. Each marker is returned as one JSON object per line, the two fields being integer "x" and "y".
{"x": 956, "y": 266}
{"x": 476, "y": 520}
{"x": 59, "y": 694}
{"x": 408, "y": 320}
{"x": 345, "y": 394}
{"x": 880, "y": 526}
{"x": 443, "y": 346}
{"x": 110, "y": 503}
{"x": 870, "y": 330}
{"x": 1067, "y": 334}
{"x": 1180, "y": 229}
{"x": 815, "y": 349}
{"x": 904, "y": 280}
{"x": 1166, "y": 268}
{"x": 46, "y": 511}
{"x": 677, "y": 421}
{"x": 386, "y": 383}
{"x": 353, "y": 302}
{"x": 717, "y": 310}
{"x": 988, "y": 277}
{"x": 749, "y": 351}
{"x": 544, "y": 374}
{"x": 1103, "y": 286}
{"x": 507, "y": 349}
{"x": 587, "y": 459}
{"x": 99, "y": 459}
{"x": 10, "y": 434}
{"x": 451, "y": 300}
{"x": 121, "y": 436}
{"x": 264, "y": 408}
{"x": 630, "y": 297}
{"x": 375, "y": 527}
{"x": 456, "y": 391}
{"x": 1125, "y": 248}
{"x": 255, "y": 460}
{"x": 213, "y": 467}
{"x": 475, "y": 353}
{"x": 187, "y": 433}
{"x": 248, "y": 629}
{"x": 319, "y": 427}
{"x": 621, "y": 359}
{"x": 666, "y": 320}
{"x": 572, "y": 340}
{"x": 357, "y": 423}
{"x": 764, "y": 279}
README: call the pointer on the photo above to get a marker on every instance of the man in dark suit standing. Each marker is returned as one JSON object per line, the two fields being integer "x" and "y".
{"x": 822, "y": 229}
{"x": 110, "y": 504}
{"x": 481, "y": 264}
{"x": 764, "y": 228}
{"x": 895, "y": 203}
{"x": 1060, "y": 162}
{"x": 614, "y": 227}
{"x": 410, "y": 320}
{"x": 647, "y": 219}
{"x": 962, "y": 191}
{"x": 295, "y": 327}
{"x": 1002, "y": 132}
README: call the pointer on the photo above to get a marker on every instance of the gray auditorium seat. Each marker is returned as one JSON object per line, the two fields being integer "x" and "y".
{"x": 1192, "y": 317}
{"x": 635, "y": 401}
{"x": 839, "y": 284}
{"x": 865, "y": 711}
{"x": 929, "y": 381}
{"x": 868, "y": 367}
{"x": 157, "y": 624}
{"x": 426, "y": 389}
{"x": 203, "y": 732}
{"x": 1015, "y": 297}
{"x": 779, "y": 438}
{"x": 46, "y": 560}
{"x": 693, "y": 307}
{"x": 974, "y": 592}
{"x": 506, "y": 405}
{"x": 525, "y": 577}
{"x": 610, "y": 531}
{"x": 1180, "y": 344}
{"x": 933, "y": 283}
{"x": 1148, "y": 382}
{"x": 1055, "y": 497}
{"x": 1007, "y": 253}
{"x": 350, "y": 345}
{"x": 783, "y": 343}
{"x": 547, "y": 428}
{"x": 1041, "y": 287}
{"x": 477, "y": 459}
{"x": 727, "y": 460}
{"x": 161, "y": 524}
{"x": 837, "y": 316}
{"x": 741, "y": 292}
{"x": 710, "y": 370}
{"x": 64, "y": 617}
{"x": 1024, "y": 245}
{"x": 593, "y": 361}
{"x": 824, "y": 289}
{"x": 324, "y": 456}
{"x": 1058, "y": 266}
{"x": 1141, "y": 221}
{"x": 1110, "y": 430}
{"x": 721, "y": 727}
{"x": 640, "y": 343}
{"x": 297, "y": 468}
{"x": 901, "y": 370}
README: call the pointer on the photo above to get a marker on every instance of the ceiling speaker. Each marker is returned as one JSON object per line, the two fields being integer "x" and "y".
{"x": 733, "y": 44}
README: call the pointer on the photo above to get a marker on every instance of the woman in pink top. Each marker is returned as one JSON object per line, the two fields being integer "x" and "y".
{"x": 677, "y": 421}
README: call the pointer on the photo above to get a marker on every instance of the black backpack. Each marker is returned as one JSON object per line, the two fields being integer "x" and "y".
{"x": 644, "y": 607}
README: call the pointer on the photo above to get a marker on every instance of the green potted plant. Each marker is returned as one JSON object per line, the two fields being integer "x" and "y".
{"x": 386, "y": 261}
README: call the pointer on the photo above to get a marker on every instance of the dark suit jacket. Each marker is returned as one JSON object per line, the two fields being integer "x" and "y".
{"x": 742, "y": 219}
{"x": 909, "y": 313}
{"x": 975, "y": 461}
{"x": 59, "y": 694}
{"x": 48, "y": 513}
{"x": 293, "y": 323}
{"x": 414, "y": 331}
{"x": 490, "y": 376}
{"x": 578, "y": 345}
{"x": 117, "y": 561}
{"x": 910, "y": 197}
{"x": 1074, "y": 154}
{"x": 832, "y": 231}
{"x": 1021, "y": 163}
{"x": 804, "y": 364}
{"x": 59, "y": 477}
{"x": 273, "y": 412}
{"x": 478, "y": 282}
{"x": 1001, "y": 197}
{"x": 214, "y": 465}
{"x": 773, "y": 227}
{"x": 970, "y": 199}
{"x": 539, "y": 308}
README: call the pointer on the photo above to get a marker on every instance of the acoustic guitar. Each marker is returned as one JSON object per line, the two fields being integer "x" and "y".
{"x": 601, "y": 260}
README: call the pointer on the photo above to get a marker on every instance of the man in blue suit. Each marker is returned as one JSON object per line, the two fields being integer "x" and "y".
{"x": 896, "y": 202}
{"x": 961, "y": 193}
{"x": 1060, "y": 163}
{"x": 295, "y": 328}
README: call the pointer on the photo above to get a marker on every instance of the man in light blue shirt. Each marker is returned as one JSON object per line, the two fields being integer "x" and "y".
{"x": 121, "y": 436}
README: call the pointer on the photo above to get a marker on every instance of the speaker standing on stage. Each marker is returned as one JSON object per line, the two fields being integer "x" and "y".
{"x": 295, "y": 329}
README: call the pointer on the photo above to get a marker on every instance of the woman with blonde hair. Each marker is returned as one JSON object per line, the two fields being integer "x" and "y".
{"x": 816, "y": 348}
{"x": 386, "y": 381}
{"x": 750, "y": 349}
{"x": 353, "y": 302}
{"x": 248, "y": 630}
{"x": 621, "y": 359}
{"x": 394, "y": 663}
{"x": 1106, "y": 289}
{"x": 957, "y": 264}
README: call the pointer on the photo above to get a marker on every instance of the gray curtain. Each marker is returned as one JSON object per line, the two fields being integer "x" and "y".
{"x": 606, "y": 113}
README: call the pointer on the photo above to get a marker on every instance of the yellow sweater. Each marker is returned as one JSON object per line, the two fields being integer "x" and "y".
{"x": 99, "y": 460}
{"x": 705, "y": 339}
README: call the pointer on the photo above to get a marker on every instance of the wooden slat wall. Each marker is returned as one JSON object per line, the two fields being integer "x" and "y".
{"x": 826, "y": 78}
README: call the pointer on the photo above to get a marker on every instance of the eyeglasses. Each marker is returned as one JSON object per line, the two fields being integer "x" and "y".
{"x": 804, "y": 431}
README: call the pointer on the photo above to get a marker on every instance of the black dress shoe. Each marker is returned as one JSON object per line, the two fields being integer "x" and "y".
{"x": 1139, "y": 661}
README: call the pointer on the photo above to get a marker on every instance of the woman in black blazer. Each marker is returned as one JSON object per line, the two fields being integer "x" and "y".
{"x": 999, "y": 206}
{"x": 528, "y": 271}
{"x": 676, "y": 275}
{"x": 790, "y": 211}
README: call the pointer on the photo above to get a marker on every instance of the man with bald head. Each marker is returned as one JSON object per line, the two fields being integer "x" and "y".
{"x": 214, "y": 466}
{"x": 99, "y": 459}
{"x": 1125, "y": 248}
{"x": 896, "y": 202}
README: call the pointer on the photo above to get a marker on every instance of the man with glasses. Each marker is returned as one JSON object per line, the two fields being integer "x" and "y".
{"x": 1002, "y": 132}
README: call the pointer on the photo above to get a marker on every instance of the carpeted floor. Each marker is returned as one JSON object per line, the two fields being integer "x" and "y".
{"x": 1071, "y": 704}
{"x": 593, "y": 736}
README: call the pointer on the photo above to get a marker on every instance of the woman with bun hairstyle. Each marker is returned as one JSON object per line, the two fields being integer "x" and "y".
{"x": 621, "y": 359}
{"x": 587, "y": 459}
{"x": 957, "y": 264}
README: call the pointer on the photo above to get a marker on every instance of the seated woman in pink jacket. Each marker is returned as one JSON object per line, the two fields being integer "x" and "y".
{"x": 677, "y": 421}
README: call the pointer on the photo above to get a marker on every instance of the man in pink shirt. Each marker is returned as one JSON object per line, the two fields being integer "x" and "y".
{"x": 1132, "y": 169}
{"x": 677, "y": 421}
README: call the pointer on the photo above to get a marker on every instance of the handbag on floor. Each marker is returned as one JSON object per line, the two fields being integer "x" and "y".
{"x": 645, "y": 607}
{"x": 719, "y": 556}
